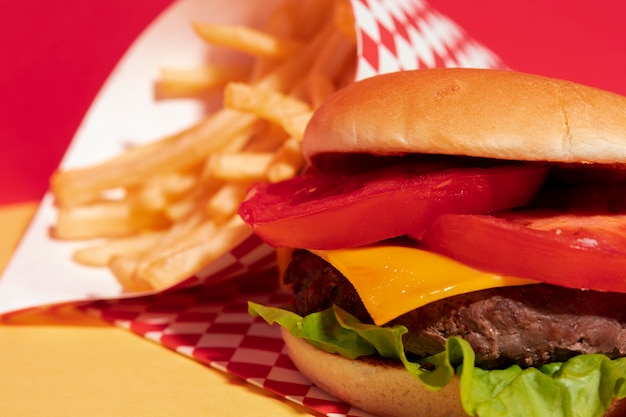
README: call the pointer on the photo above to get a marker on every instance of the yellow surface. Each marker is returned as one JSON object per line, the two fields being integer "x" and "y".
{"x": 64, "y": 363}
{"x": 392, "y": 280}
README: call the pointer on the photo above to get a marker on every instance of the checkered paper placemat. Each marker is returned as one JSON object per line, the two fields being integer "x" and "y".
{"x": 211, "y": 325}
{"x": 205, "y": 317}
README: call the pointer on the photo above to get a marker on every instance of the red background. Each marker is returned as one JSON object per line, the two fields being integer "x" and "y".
{"x": 54, "y": 57}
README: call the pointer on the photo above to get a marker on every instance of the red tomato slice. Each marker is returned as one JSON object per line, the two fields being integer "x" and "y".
{"x": 320, "y": 212}
{"x": 573, "y": 250}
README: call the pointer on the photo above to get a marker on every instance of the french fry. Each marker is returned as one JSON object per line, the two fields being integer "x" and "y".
{"x": 282, "y": 23}
{"x": 199, "y": 228}
{"x": 290, "y": 113}
{"x": 312, "y": 16}
{"x": 343, "y": 17}
{"x": 127, "y": 267}
{"x": 101, "y": 254}
{"x": 295, "y": 124}
{"x": 240, "y": 166}
{"x": 316, "y": 88}
{"x": 190, "y": 148}
{"x": 155, "y": 194}
{"x": 287, "y": 162}
{"x": 123, "y": 268}
{"x": 185, "y": 82}
{"x": 270, "y": 105}
{"x": 181, "y": 209}
{"x": 285, "y": 75}
{"x": 105, "y": 219}
{"x": 84, "y": 185}
{"x": 237, "y": 143}
{"x": 195, "y": 223}
{"x": 164, "y": 210}
{"x": 331, "y": 58}
{"x": 197, "y": 253}
{"x": 223, "y": 205}
{"x": 268, "y": 138}
{"x": 245, "y": 39}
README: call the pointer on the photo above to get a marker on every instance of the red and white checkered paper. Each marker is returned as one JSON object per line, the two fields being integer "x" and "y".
{"x": 206, "y": 317}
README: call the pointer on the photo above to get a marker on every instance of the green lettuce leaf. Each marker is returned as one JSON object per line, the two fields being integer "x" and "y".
{"x": 584, "y": 386}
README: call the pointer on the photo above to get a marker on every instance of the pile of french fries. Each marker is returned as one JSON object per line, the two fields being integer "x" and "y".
{"x": 158, "y": 213}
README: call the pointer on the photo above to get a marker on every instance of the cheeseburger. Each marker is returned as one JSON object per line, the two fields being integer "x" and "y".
{"x": 459, "y": 246}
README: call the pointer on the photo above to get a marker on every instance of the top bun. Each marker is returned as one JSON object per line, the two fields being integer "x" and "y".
{"x": 472, "y": 112}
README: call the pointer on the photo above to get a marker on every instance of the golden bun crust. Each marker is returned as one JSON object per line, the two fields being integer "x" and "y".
{"x": 380, "y": 387}
{"x": 474, "y": 112}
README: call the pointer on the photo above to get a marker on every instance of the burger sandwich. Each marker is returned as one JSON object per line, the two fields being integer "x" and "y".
{"x": 458, "y": 246}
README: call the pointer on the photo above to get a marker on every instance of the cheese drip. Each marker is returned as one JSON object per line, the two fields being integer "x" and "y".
{"x": 393, "y": 280}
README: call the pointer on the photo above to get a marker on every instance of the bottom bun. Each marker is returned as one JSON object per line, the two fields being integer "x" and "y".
{"x": 382, "y": 386}
{"x": 376, "y": 385}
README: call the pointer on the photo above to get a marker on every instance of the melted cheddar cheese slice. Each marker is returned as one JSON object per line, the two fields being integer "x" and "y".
{"x": 393, "y": 280}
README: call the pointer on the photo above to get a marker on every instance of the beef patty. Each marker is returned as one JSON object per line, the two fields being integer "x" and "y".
{"x": 527, "y": 325}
